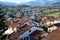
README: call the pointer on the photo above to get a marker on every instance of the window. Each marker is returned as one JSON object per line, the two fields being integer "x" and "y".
{"x": 29, "y": 30}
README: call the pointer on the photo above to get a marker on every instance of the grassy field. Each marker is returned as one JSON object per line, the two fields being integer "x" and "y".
{"x": 54, "y": 14}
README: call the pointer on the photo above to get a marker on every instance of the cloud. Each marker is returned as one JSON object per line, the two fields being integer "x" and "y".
{"x": 17, "y": 1}
{"x": 51, "y": 0}
{"x": 41, "y": 1}
{"x": 22, "y": 1}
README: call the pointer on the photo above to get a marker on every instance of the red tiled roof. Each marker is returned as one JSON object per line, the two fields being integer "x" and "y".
{"x": 36, "y": 34}
{"x": 39, "y": 35}
{"x": 27, "y": 27}
{"x": 17, "y": 19}
{"x": 21, "y": 31}
{"x": 23, "y": 21}
{"x": 15, "y": 23}
{"x": 8, "y": 23}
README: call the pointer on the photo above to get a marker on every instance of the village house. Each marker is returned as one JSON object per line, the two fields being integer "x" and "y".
{"x": 13, "y": 25}
{"x": 22, "y": 28}
{"x": 28, "y": 29}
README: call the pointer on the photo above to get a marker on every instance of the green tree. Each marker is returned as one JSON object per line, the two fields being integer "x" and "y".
{"x": 10, "y": 15}
{"x": 3, "y": 26}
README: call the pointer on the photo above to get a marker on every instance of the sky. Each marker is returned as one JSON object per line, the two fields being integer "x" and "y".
{"x": 20, "y": 1}
{"x": 17, "y": 1}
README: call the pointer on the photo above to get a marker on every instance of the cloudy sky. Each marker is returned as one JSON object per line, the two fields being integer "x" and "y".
{"x": 17, "y": 1}
{"x": 20, "y": 1}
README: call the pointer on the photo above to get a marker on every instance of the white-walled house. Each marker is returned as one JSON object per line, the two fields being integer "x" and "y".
{"x": 52, "y": 28}
{"x": 9, "y": 31}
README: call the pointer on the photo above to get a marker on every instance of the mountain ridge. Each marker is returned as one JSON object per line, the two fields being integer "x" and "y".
{"x": 31, "y": 3}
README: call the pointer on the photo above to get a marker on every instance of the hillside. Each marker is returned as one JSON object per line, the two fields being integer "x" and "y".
{"x": 54, "y": 14}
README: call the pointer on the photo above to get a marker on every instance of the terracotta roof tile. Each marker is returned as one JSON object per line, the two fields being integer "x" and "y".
{"x": 27, "y": 27}
{"x": 17, "y": 18}
{"x": 36, "y": 34}
{"x": 14, "y": 25}
{"x": 39, "y": 35}
{"x": 21, "y": 31}
{"x": 8, "y": 23}
{"x": 23, "y": 21}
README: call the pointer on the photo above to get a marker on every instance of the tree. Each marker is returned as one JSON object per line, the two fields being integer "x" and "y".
{"x": 3, "y": 26}
{"x": 36, "y": 18}
{"x": 22, "y": 14}
{"x": 10, "y": 15}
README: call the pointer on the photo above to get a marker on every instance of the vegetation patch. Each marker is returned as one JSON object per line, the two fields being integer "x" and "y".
{"x": 54, "y": 14}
